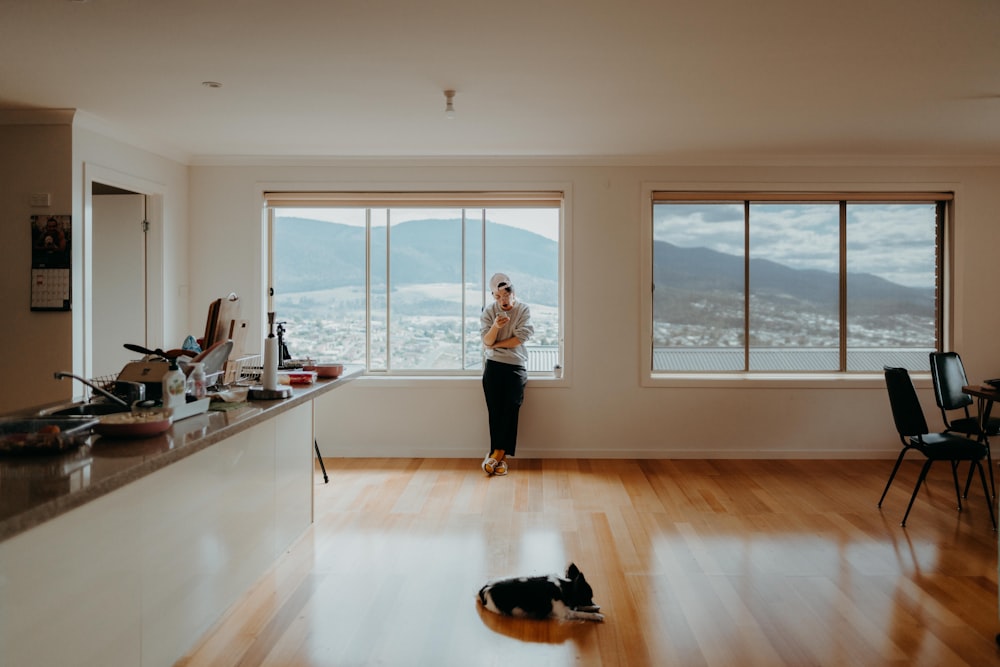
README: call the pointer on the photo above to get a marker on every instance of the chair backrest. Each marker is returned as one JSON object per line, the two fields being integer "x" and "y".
{"x": 948, "y": 374}
{"x": 906, "y": 410}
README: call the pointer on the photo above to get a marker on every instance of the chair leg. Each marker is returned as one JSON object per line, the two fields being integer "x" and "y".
{"x": 989, "y": 500}
{"x": 899, "y": 459}
{"x": 968, "y": 480}
{"x": 920, "y": 480}
{"x": 954, "y": 476}
{"x": 989, "y": 463}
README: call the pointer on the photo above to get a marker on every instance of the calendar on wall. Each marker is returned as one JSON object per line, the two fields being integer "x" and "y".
{"x": 51, "y": 270}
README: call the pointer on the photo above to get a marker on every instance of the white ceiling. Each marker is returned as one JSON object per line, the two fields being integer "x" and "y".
{"x": 646, "y": 79}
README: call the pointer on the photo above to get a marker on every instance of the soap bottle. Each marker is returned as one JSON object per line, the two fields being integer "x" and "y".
{"x": 199, "y": 380}
{"x": 174, "y": 384}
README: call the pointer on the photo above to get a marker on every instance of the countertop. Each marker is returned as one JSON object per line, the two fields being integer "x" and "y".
{"x": 36, "y": 489}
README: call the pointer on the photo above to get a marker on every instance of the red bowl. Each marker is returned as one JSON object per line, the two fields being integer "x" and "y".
{"x": 326, "y": 370}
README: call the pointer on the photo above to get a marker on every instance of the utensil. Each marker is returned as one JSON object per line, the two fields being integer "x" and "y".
{"x": 169, "y": 354}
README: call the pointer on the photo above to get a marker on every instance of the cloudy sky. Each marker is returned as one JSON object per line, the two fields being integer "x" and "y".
{"x": 542, "y": 221}
{"x": 893, "y": 241}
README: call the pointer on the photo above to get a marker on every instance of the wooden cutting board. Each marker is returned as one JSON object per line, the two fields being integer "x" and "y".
{"x": 238, "y": 334}
{"x": 211, "y": 324}
{"x": 229, "y": 310}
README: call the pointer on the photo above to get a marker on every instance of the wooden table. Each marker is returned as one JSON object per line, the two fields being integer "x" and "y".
{"x": 985, "y": 396}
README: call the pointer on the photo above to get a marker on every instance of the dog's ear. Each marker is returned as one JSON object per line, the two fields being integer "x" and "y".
{"x": 572, "y": 572}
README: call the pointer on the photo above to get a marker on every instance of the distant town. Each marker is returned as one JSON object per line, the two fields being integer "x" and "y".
{"x": 324, "y": 328}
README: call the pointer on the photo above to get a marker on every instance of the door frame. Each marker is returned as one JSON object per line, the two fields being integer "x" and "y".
{"x": 84, "y": 317}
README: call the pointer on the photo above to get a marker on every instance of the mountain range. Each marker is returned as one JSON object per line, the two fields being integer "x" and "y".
{"x": 312, "y": 255}
{"x": 700, "y": 271}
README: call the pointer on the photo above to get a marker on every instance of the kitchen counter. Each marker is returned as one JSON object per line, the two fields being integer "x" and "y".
{"x": 34, "y": 490}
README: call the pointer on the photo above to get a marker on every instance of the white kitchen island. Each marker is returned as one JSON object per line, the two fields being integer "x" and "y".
{"x": 142, "y": 548}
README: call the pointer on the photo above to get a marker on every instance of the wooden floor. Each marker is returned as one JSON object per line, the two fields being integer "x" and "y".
{"x": 694, "y": 563}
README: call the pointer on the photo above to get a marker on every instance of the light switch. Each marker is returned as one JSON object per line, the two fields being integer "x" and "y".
{"x": 41, "y": 199}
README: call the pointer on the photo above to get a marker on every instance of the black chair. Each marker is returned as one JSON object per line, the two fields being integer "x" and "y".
{"x": 913, "y": 433}
{"x": 948, "y": 374}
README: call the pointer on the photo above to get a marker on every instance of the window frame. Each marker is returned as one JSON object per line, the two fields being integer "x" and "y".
{"x": 536, "y": 195}
{"x": 653, "y": 193}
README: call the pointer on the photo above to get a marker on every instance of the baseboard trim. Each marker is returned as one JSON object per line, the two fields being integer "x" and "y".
{"x": 447, "y": 453}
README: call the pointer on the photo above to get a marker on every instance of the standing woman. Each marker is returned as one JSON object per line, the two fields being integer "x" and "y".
{"x": 504, "y": 326}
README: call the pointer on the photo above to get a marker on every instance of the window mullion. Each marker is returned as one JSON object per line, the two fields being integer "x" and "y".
{"x": 482, "y": 275}
{"x": 388, "y": 291}
{"x": 746, "y": 286}
{"x": 940, "y": 270}
{"x": 461, "y": 321}
{"x": 368, "y": 288}
{"x": 843, "y": 287}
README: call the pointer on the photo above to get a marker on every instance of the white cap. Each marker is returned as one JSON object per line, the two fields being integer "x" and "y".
{"x": 498, "y": 280}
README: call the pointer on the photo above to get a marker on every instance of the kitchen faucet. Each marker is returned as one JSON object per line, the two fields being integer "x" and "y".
{"x": 59, "y": 375}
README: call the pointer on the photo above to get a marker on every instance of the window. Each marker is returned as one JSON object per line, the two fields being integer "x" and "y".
{"x": 797, "y": 282}
{"x": 397, "y": 281}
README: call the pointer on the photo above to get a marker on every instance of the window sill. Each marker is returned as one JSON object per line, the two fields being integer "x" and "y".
{"x": 775, "y": 380}
{"x": 541, "y": 380}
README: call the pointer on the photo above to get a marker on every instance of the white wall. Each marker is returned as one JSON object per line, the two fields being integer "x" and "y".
{"x": 46, "y": 151}
{"x": 601, "y": 408}
{"x": 97, "y": 157}
{"x": 35, "y": 157}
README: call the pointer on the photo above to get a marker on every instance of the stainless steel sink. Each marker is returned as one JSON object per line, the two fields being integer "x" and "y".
{"x": 87, "y": 409}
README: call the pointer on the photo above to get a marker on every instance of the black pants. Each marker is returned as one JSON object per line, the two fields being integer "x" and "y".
{"x": 503, "y": 385}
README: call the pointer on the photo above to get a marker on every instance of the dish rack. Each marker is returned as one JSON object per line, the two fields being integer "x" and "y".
{"x": 242, "y": 371}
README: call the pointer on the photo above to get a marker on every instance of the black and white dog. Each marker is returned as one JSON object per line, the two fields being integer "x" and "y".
{"x": 569, "y": 598}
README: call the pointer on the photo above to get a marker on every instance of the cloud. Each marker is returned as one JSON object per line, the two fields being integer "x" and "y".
{"x": 893, "y": 241}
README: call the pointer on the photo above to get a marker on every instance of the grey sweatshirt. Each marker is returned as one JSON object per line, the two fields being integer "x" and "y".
{"x": 518, "y": 327}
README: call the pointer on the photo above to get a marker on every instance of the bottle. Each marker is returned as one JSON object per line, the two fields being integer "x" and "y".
{"x": 199, "y": 380}
{"x": 174, "y": 384}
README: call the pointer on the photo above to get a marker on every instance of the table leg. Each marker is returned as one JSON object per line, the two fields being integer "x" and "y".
{"x": 984, "y": 406}
{"x": 326, "y": 480}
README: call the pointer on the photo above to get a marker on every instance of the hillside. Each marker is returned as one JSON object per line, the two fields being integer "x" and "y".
{"x": 312, "y": 255}
{"x": 705, "y": 272}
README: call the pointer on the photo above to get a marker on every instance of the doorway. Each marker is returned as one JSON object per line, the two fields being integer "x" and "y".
{"x": 119, "y": 276}
{"x": 120, "y": 272}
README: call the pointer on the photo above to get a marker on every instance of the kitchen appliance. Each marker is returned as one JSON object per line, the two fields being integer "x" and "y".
{"x": 148, "y": 373}
{"x": 130, "y": 392}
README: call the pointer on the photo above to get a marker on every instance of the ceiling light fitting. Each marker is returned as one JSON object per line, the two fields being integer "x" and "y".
{"x": 211, "y": 84}
{"x": 449, "y": 106}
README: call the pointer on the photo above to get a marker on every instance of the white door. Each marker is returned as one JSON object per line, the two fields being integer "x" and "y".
{"x": 119, "y": 280}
